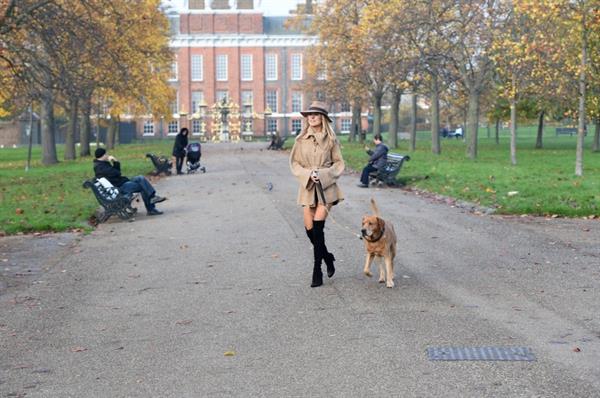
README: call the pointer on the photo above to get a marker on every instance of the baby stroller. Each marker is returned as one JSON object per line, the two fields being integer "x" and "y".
{"x": 193, "y": 154}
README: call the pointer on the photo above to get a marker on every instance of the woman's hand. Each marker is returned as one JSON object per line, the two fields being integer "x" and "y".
{"x": 314, "y": 175}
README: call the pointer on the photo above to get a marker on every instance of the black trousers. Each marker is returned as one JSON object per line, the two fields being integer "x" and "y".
{"x": 179, "y": 163}
{"x": 364, "y": 178}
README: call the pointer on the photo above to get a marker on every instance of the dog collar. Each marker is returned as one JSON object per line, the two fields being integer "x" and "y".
{"x": 380, "y": 236}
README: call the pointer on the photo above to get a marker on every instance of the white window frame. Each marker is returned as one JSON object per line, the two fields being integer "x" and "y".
{"x": 270, "y": 123}
{"x": 148, "y": 128}
{"x": 222, "y": 68}
{"x": 192, "y": 101}
{"x": 348, "y": 123}
{"x": 298, "y": 125}
{"x": 174, "y": 76}
{"x": 273, "y": 108}
{"x": 296, "y": 67}
{"x": 196, "y": 127}
{"x": 246, "y": 67}
{"x": 273, "y": 66}
{"x": 197, "y": 68}
{"x": 243, "y": 102}
{"x": 174, "y": 131}
{"x": 295, "y": 94}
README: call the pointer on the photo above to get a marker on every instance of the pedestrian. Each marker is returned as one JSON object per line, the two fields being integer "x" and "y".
{"x": 181, "y": 142}
{"x": 107, "y": 166}
{"x": 316, "y": 161}
{"x": 377, "y": 160}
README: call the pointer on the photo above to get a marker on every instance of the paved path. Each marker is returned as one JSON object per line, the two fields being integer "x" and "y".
{"x": 149, "y": 308}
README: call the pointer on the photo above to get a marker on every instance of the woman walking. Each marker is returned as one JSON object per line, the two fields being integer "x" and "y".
{"x": 181, "y": 142}
{"x": 316, "y": 161}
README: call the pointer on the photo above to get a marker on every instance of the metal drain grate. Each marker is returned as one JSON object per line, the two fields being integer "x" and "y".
{"x": 480, "y": 354}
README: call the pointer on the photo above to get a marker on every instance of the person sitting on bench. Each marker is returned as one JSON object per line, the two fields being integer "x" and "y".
{"x": 377, "y": 160}
{"x": 109, "y": 167}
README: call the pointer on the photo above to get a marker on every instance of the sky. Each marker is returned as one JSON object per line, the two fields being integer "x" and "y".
{"x": 269, "y": 7}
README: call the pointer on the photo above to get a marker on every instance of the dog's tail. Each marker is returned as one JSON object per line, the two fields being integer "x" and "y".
{"x": 374, "y": 207}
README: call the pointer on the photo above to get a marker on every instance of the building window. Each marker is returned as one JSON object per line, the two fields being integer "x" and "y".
{"x": 296, "y": 126}
{"x": 247, "y": 98}
{"x": 346, "y": 125}
{"x": 271, "y": 126}
{"x": 272, "y": 100}
{"x": 222, "y": 94}
{"x": 220, "y": 5}
{"x": 196, "y": 127}
{"x": 222, "y": 67}
{"x": 197, "y": 99}
{"x": 296, "y": 66}
{"x": 197, "y": 68}
{"x": 322, "y": 74}
{"x": 196, "y": 4}
{"x": 173, "y": 76}
{"x": 173, "y": 127}
{"x": 271, "y": 67}
{"x": 175, "y": 107}
{"x": 246, "y": 67}
{"x": 320, "y": 96}
{"x": 174, "y": 25}
{"x": 296, "y": 101}
{"x": 345, "y": 107}
{"x": 148, "y": 127}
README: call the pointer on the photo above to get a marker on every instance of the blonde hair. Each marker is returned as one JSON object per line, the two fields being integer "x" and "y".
{"x": 325, "y": 125}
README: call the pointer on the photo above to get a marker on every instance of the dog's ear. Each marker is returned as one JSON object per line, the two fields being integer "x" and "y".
{"x": 380, "y": 224}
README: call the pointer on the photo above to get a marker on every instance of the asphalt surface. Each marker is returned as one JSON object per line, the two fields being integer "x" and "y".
{"x": 212, "y": 298}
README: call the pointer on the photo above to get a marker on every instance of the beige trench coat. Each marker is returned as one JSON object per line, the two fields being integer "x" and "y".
{"x": 310, "y": 153}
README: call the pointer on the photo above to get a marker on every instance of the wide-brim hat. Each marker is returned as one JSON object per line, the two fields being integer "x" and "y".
{"x": 317, "y": 107}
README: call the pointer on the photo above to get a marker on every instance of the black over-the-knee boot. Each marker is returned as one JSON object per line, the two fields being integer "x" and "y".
{"x": 327, "y": 257}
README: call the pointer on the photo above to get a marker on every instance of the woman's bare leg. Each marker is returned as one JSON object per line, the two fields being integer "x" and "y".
{"x": 309, "y": 216}
{"x": 321, "y": 212}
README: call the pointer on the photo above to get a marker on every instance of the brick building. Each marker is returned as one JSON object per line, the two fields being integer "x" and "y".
{"x": 229, "y": 49}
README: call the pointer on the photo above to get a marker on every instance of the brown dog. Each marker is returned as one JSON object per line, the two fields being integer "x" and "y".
{"x": 380, "y": 241}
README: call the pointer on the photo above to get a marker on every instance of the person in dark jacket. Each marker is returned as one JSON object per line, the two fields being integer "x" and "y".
{"x": 107, "y": 166}
{"x": 181, "y": 142}
{"x": 377, "y": 160}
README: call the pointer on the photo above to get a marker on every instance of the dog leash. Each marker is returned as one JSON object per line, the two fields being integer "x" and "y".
{"x": 349, "y": 230}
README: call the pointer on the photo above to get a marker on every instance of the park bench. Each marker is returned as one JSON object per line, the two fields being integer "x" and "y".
{"x": 387, "y": 174}
{"x": 161, "y": 164}
{"x": 567, "y": 131}
{"x": 113, "y": 202}
{"x": 277, "y": 143}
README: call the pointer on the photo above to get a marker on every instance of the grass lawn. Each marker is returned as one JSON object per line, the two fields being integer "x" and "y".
{"x": 52, "y": 198}
{"x": 543, "y": 180}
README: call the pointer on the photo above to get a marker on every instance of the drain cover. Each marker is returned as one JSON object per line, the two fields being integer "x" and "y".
{"x": 480, "y": 354}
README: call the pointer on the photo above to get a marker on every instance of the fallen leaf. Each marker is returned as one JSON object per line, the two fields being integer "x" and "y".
{"x": 576, "y": 349}
{"x": 229, "y": 353}
{"x": 183, "y": 322}
{"x": 19, "y": 211}
{"x": 78, "y": 349}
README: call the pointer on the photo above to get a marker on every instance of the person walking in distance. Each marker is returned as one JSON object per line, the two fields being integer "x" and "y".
{"x": 316, "y": 161}
{"x": 181, "y": 142}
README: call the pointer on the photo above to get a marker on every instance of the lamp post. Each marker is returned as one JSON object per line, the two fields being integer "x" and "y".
{"x": 247, "y": 122}
{"x": 202, "y": 106}
{"x": 268, "y": 112}
{"x": 224, "y": 110}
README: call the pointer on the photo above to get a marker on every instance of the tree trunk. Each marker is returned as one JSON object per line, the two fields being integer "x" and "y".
{"x": 473, "y": 123}
{"x": 435, "y": 117}
{"x": 413, "y": 122}
{"x": 71, "y": 131}
{"x": 110, "y": 134}
{"x": 48, "y": 131}
{"x": 540, "y": 132}
{"x": 581, "y": 127}
{"x": 497, "y": 131}
{"x": 86, "y": 128}
{"x": 356, "y": 120}
{"x": 117, "y": 130}
{"x": 513, "y": 131}
{"x": 596, "y": 142}
{"x": 377, "y": 97}
{"x": 395, "y": 118}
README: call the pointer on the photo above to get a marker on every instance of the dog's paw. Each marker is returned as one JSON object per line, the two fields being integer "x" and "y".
{"x": 368, "y": 273}
{"x": 381, "y": 280}
{"x": 390, "y": 284}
